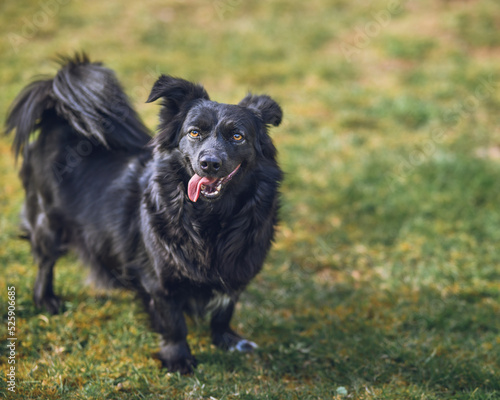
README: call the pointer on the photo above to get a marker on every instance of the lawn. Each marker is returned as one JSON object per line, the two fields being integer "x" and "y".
{"x": 384, "y": 279}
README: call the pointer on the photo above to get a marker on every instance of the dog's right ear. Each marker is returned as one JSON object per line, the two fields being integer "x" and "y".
{"x": 177, "y": 94}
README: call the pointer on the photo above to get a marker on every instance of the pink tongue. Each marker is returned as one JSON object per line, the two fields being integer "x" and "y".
{"x": 194, "y": 186}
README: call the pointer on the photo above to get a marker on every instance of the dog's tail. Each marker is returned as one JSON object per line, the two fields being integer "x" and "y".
{"x": 88, "y": 97}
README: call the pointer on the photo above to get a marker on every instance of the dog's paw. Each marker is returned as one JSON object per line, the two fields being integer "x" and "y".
{"x": 185, "y": 366}
{"x": 244, "y": 346}
{"x": 232, "y": 341}
{"x": 177, "y": 358}
{"x": 51, "y": 303}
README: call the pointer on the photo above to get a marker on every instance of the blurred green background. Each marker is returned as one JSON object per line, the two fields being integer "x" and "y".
{"x": 384, "y": 280}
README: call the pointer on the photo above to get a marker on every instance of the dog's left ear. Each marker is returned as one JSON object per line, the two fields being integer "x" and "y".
{"x": 177, "y": 95}
{"x": 270, "y": 113}
{"x": 265, "y": 107}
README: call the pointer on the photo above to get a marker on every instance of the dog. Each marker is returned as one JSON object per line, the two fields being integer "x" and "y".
{"x": 184, "y": 218}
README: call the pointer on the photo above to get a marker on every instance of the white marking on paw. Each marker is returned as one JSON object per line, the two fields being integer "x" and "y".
{"x": 244, "y": 346}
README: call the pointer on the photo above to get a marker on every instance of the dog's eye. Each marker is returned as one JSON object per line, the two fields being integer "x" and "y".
{"x": 194, "y": 133}
{"x": 238, "y": 137}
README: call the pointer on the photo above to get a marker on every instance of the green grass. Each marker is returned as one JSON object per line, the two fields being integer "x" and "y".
{"x": 384, "y": 280}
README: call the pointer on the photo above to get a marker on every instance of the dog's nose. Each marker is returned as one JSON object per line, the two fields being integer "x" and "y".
{"x": 210, "y": 164}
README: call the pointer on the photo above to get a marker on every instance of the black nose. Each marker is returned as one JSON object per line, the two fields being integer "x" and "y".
{"x": 210, "y": 164}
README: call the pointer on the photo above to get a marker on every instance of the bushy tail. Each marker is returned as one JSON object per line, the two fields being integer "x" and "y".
{"x": 86, "y": 95}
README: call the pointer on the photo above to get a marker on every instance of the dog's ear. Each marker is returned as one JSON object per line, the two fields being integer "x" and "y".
{"x": 177, "y": 95}
{"x": 270, "y": 113}
{"x": 175, "y": 92}
{"x": 265, "y": 107}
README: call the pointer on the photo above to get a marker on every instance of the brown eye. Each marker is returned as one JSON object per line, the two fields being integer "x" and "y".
{"x": 194, "y": 133}
{"x": 238, "y": 137}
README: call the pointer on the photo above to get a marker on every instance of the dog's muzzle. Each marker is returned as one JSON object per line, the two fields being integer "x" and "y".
{"x": 208, "y": 187}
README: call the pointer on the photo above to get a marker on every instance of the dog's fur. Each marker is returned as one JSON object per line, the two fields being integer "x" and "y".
{"x": 98, "y": 184}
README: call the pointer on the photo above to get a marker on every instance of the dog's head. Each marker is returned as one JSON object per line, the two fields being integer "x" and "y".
{"x": 218, "y": 142}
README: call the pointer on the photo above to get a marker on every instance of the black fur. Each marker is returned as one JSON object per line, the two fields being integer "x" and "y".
{"x": 98, "y": 184}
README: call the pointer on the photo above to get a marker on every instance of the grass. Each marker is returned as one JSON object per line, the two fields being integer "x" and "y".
{"x": 384, "y": 280}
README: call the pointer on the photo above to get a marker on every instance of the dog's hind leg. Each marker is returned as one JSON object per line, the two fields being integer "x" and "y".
{"x": 46, "y": 244}
{"x": 43, "y": 295}
{"x": 222, "y": 334}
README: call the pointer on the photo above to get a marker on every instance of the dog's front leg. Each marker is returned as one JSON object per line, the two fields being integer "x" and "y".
{"x": 222, "y": 334}
{"x": 168, "y": 318}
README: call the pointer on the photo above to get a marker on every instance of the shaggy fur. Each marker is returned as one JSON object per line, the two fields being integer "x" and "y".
{"x": 185, "y": 219}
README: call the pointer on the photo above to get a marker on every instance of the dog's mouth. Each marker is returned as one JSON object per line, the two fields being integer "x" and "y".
{"x": 210, "y": 188}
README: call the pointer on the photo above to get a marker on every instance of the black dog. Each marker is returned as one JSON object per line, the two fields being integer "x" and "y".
{"x": 185, "y": 218}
